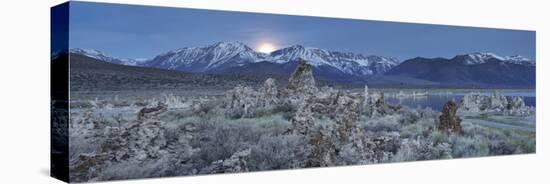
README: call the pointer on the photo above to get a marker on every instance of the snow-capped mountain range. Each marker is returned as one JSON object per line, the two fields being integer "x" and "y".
{"x": 484, "y": 57}
{"x": 104, "y": 57}
{"x": 203, "y": 59}
{"x": 221, "y": 55}
{"x": 348, "y": 63}
{"x": 230, "y": 55}
{"x": 476, "y": 70}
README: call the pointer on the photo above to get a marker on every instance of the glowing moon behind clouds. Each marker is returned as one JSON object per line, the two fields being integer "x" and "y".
{"x": 266, "y": 47}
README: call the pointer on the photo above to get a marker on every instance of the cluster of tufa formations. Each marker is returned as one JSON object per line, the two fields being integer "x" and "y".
{"x": 511, "y": 105}
{"x": 310, "y": 104}
{"x": 143, "y": 140}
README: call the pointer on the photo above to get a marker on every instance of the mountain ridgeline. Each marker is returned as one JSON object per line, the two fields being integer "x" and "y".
{"x": 91, "y": 74}
{"x": 236, "y": 57}
{"x": 475, "y": 70}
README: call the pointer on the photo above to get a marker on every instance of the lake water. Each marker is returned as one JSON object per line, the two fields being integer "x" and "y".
{"x": 437, "y": 100}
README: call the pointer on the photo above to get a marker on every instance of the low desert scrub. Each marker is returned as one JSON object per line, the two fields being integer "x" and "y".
{"x": 194, "y": 136}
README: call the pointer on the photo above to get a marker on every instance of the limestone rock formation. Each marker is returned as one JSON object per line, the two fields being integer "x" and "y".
{"x": 375, "y": 105}
{"x": 146, "y": 112}
{"x": 238, "y": 162}
{"x": 515, "y": 102}
{"x": 303, "y": 121}
{"x": 497, "y": 101}
{"x": 511, "y": 105}
{"x": 368, "y": 148}
{"x": 301, "y": 81}
{"x": 449, "y": 122}
{"x": 380, "y": 105}
{"x": 269, "y": 94}
{"x": 346, "y": 114}
{"x": 330, "y": 141}
{"x": 240, "y": 102}
{"x": 244, "y": 101}
{"x": 138, "y": 141}
{"x": 474, "y": 102}
{"x": 323, "y": 148}
{"x": 324, "y": 101}
{"x": 384, "y": 146}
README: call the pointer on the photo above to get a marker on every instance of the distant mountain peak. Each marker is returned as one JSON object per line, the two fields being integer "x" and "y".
{"x": 304, "y": 48}
{"x": 201, "y": 59}
{"x": 230, "y": 44}
{"x": 221, "y": 44}
{"x": 483, "y": 57}
{"x": 96, "y": 54}
{"x": 296, "y": 47}
{"x": 92, "y": 52}
{"x": 518, "y": 57}
{"x": 233, "y": 46}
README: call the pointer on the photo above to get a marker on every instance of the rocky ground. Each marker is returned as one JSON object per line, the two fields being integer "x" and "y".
{"x": 283, "y": 127}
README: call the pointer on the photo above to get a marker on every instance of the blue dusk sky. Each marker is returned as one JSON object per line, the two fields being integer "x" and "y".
{"x": 129, "y": 31}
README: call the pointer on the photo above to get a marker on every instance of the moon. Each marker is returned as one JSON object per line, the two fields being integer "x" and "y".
{"x": 266, "y": 48}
